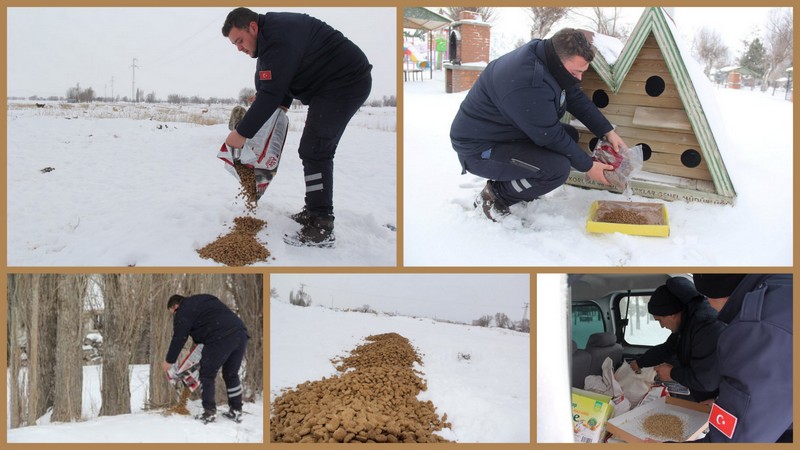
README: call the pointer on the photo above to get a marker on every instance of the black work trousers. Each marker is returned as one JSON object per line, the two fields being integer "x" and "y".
{"x": 522, "y": 171}
{"x": 226, "y": 353}
{"x": 329, "y": 112}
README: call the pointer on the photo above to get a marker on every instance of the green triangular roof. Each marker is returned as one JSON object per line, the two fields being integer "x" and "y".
{"x": 656, "y": 21}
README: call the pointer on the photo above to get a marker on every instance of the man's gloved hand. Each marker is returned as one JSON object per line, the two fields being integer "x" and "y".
{"x": 683, "y": 289}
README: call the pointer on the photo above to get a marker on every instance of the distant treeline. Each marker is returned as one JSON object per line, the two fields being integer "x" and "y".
{"x": 88, "y": 95}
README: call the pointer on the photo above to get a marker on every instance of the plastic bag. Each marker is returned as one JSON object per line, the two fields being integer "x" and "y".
{"x": 626, "y": 162}
{"x": 261, "y": 153}
{"x": 635, "y": 385}
{"x": 608, "y": 385}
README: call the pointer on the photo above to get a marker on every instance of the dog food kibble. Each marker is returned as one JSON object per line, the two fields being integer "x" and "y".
{"x": 622, "y": 216}
{"x": 247, "y": 178}
{"x": 668, "y": 427}
{"x": 239, "y": 247}
{"x": 374, "y": 399}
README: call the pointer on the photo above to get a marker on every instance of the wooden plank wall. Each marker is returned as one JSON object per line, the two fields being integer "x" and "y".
{"x": 660, "y": 122}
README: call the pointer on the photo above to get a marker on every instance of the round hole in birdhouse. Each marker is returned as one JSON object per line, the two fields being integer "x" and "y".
{"x": 593, "y": 143}
{"x": 691, "y": 158}
{"x": 647, "y": 152}
{"x": 654, "y": 86}
{"x": 600, "y": 98}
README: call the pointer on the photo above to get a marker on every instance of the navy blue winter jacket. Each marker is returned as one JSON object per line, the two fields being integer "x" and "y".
{"x": 203, "y": 317}
{"x": 516, "y": 98}
{"x": 695, "y": 347}
{"x": 299, "y": 56}
{"x": 755, "y": 357}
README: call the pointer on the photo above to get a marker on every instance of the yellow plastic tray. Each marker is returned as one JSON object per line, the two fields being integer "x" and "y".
{"x": 637, "y": 230}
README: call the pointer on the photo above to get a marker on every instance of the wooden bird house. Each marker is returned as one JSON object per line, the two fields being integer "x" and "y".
{"x": 656, "y": 96}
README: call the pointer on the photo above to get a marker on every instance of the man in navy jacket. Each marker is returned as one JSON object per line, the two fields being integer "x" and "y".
{"x": 689, "y": 356}
{"x": 224, "y": 337}
{"x": 302, "y": 57}
{"x": 507, "y": 128}
{"x": 755, "y": 357}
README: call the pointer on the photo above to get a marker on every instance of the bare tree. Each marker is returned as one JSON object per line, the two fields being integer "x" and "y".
{"x": 501, "y": 320}
{"x": 780, "y": 44}
{"x": 606, "y": 21}
{"x": 16, "y": 337}
{"x": 41, "y": 342}
{"x": 484, "y": 321}
{"x": 248, "y": 290}
{"x": 543, "y": 18}
{"x": 709, "y": 49}
{"x": 124, "y": 306}
{"x": 245, "y": 94}
{"x": 487, "y": 13}
{"x": 69, "y": 359}
{"x": 162, "y": 286}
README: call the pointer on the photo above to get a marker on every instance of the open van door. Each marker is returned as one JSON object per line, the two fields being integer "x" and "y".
{"x": 553, "y": 351}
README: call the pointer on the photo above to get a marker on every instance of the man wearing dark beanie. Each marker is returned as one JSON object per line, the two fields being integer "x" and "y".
{"x": 755, "y": 357}
{"x": 689, "y": 354}
{"x": 508, "y": 128}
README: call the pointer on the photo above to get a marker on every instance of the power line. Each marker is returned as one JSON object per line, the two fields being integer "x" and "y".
{"x": 133, "y": 83}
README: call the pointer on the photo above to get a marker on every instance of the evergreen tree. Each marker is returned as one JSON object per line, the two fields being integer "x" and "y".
{"x": 753, "y": 57}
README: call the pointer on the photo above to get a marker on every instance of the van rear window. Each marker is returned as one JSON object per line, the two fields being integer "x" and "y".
{"x": 587, "y": 319}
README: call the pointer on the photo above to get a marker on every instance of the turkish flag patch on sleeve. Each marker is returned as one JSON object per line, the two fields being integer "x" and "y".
{"x": 264, "y": 75}
{"x": 722, "y": 420}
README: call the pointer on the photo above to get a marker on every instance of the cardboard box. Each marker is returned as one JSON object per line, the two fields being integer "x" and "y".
{"x": 662, "y": 229}
{"x": 590, "y": 412}
{"x": 628, "y": 426}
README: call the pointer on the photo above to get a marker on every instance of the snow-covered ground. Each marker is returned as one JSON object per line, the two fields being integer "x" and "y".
{"x": 486, "y": 398}
{"x": 140, "y": 425}
{"x": 141, "y": 185}
{"x": 442, "y": 228}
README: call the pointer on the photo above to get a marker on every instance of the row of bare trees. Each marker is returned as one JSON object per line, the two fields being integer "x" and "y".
{"x": 46, "y": 321}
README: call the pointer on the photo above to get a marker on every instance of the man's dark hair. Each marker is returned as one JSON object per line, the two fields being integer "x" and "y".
{"x": 239, "y": 18}
{"x": 569, "y": 42}
{"x": 174, "y": 300}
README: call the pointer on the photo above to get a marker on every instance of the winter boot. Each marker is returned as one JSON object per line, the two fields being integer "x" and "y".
{"x": 234, "y": 414}
{"x": 493, "y": 207}
{"x": 208, "y": 415}
{"x": 318, "y": 232}
{"x": 303, "y": 217}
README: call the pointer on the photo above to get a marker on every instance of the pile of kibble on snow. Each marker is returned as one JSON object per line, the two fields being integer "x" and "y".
{"x": 373, "y": 399}
{"x": 240, "y": 246}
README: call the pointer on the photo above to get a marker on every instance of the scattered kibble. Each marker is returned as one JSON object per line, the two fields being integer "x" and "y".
{"x": 239, "y": 247}
{"x": 374, "y": 399}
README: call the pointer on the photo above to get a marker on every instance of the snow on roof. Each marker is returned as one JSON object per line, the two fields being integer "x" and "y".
{"x": 608, "y": 46}
{"x": 705, "y": 93}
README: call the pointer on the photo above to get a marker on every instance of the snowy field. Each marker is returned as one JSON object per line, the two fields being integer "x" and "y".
{"x": 140, "y": 425}
{"x": 487, "y": 398}
{"x": 442, "y": 228}
{"x": 140, "y": 185}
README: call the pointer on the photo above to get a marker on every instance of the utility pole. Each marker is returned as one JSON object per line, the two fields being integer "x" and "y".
{"x": 525, "y": 312}
{"x": 133, "y": 83}
{"x": 112, "y": 89}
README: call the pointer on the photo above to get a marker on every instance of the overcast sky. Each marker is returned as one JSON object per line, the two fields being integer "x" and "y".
{"x": 177, "y": 50}
{"x": 457, "y": 297}
{"x": 732, "y": 24}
